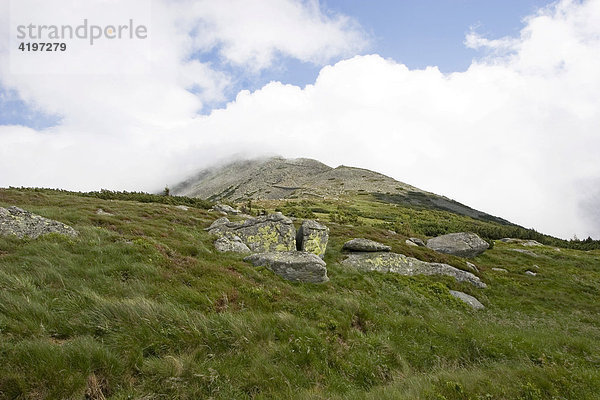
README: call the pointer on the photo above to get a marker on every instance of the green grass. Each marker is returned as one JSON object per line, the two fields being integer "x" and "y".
{"x": 139, "y": 305}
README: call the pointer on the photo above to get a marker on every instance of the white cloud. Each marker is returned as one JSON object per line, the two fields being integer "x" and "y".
{"x": 514, "y": 135}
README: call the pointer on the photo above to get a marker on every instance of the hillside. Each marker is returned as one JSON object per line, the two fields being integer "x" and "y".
{"x": 279, "y": 178}
{"x": 139, "y": 305}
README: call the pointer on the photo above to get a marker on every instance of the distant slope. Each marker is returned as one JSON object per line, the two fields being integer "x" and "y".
{"x": 279, "y": 178}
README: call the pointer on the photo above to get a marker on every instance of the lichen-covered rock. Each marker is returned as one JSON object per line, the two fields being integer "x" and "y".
{"x": 463, "y": 244}
{"x": 361, "y": 245}
{"x": 273, "y": 232}
{"x": 312, "y": 237}
{"x": 21, "y": 223}
{"x": 470, "y": 300}
{"x": 296, "y": 266}
{"x": 231, "y": 244}
{"x": 403, "y": 265}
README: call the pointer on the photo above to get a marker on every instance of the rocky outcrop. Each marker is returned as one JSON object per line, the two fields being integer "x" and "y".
{"x": 470, "y": 300}
{"x": 273, "y": 232}
{"x": 522, "y": 242}
{"x": 312, "y": 237}
{"x": 401, "y": 264}
{"x": 463, "y": 244}
{"x": 231, "y": 244}
{"x": 21, "y": 223}
{"x": 295, "y": 266}
{"x": 363, "y": 245}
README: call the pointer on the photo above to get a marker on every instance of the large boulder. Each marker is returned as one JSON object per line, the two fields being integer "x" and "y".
{"x": 403, "y": 265}
{"x": 273, "y": 232}
{"x": 467, "y": 298}
{"x": 312, "y": 237}
{"x": 365, "y": 245}
{"x": 296, "y": 266}
{"x": 21, "y": 223}
{"x": 463, "y": 244}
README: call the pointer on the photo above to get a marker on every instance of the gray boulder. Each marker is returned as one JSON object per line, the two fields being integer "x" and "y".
{"x": 401, "y": 264}
{"x": 295, "y": 266}
{"x": 273, "y": 232}
{"x": 361, "y": 245}
{"x": 231, "y": 244}
{"x": 470, "y": 300}
{"x": 225, "y": 209}
{"x": 312, "y": 237}
{"x": 463, "y": 244}
{"x": 21, "y": 223}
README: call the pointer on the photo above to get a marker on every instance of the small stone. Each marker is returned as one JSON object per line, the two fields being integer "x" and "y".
{"x": 102, "y": 212}
{"x": 530, "y": 273}
{"x": 472, "y": 267}
{"x": 499, "y": 270}
{"x": 470, "y": 300}
{"x": 417, "y": 241}
{"x": 225, "y": 209}
{"x": 411, "y": 243}
{"x": 182, "y": 207}
{"x": 526, "y": 252}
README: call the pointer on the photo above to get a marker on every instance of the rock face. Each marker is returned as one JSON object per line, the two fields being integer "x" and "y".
{"x": 461, "y": 244}
{"x": 231, "y": 244}
{"x": 295, "y": 266}
{"x": 273, "y": 232}
{"x": 361, "y": 244}
{"x": 15, "y": 221}
{"x": 470, "y": 300}
{"x": 312, "y": 237}
{"x": 401, "y": 264}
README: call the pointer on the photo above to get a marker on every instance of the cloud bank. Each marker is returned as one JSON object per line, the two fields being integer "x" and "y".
{"x": 516, "y": 135}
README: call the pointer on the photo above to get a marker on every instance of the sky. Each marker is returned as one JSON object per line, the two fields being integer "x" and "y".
{"x": 495, "y": 104}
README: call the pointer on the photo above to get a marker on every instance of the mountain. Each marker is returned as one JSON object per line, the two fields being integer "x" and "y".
{"x": 278, "y": 178}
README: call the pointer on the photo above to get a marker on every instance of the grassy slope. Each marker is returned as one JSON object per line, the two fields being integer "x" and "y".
{"x": 140, "y": 306}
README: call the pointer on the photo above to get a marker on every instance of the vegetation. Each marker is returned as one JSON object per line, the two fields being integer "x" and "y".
{"x": 139, "y": 305}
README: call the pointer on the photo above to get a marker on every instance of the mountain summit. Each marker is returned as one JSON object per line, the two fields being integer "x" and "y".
{"x": 278, "y": 178}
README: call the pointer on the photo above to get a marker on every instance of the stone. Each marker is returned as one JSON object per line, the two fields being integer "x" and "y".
{"x": 231, "y": 244}
{"x": 411, "y": 243}
{"x": 521, "y": 242}
{"x": 21, "y": 223}
{"x": 225, "y": 209}
{"x": 182, "y": 207}
{"x": 295, "y": 266}
{"x": 102, "y": 212}
{"x": 472, "y": 267}
{"x": 470, "y": 300}
{"x": 273, "y": 232}
{"x": 463, "y": 244}
{"x": 526, "y": 252}
{"x": 360, "y": 244}
{"x": 530, "y": 273}
{"x": 417, "y": 241}
{"x": 312, "y": 237}
{"x": 403, "y": 265}
{"x": 499, "y": 270}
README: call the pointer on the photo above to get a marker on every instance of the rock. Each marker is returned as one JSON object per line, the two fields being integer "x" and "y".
{"x": 463, "y": 244}
{"x": 536, "y": 266}
{"x": 16, "y": 221}
{"x": 470, "y": 300}
{"x": 472, "y": 267}
{"x": 225, "y": 209}
{"x": 231, "y": 244}
{"x": 295, "y": 266}
{"x": 417, "y": 241}
{"x": 312, "y": 237}
{"x": 521, "y": 242}
{"x": 499, "y": 270}
{"x": 102, "y": 212}
{"x": 523, "y": 251}
{"x": 530, "y": 273}
{"x": 182, "y": 207}
{"x": 411, "y": 243}
{"x": 361, "y": 244}
{"x": 273, "y": 232}
{"x": 401, "y": 264}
